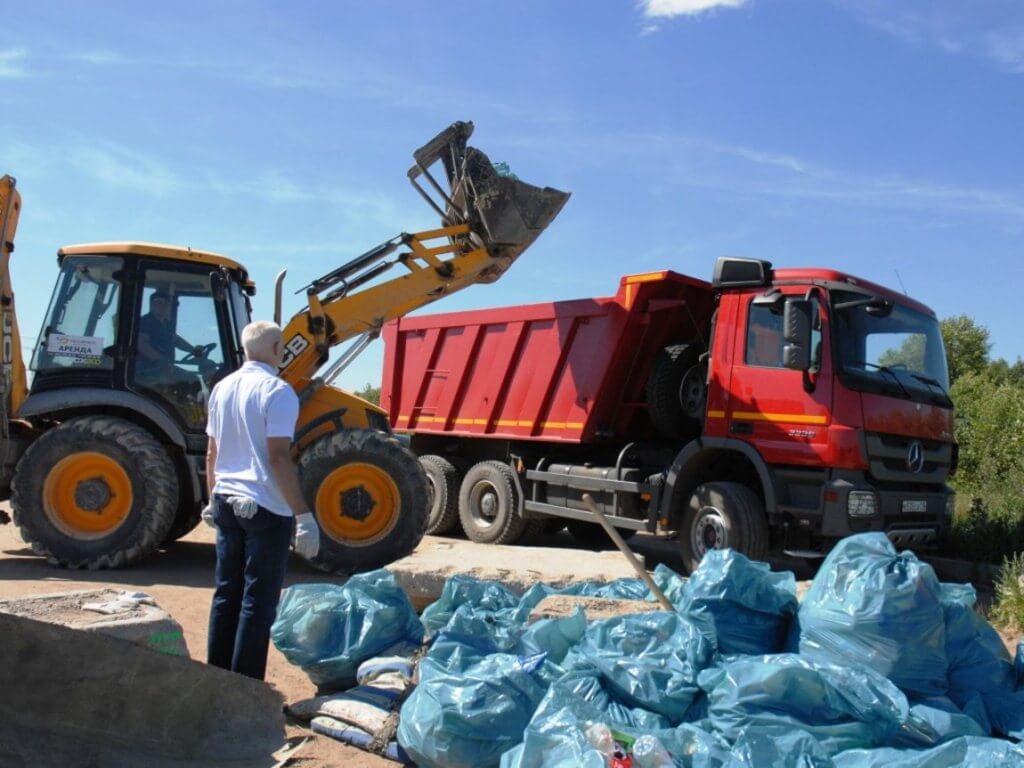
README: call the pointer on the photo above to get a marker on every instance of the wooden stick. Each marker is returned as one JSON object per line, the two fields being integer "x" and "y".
{"x": 627, "y": 552}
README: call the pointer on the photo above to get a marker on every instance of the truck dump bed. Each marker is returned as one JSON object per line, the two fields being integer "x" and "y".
{"x": 566, "y": 371}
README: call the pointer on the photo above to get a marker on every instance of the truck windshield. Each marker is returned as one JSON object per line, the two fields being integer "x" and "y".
{"x": 890, "y": 349}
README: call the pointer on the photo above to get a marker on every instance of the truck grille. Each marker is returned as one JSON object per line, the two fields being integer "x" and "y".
{"x": 889, "y": 458}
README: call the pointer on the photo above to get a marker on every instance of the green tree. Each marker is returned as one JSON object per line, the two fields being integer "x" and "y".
{"x": 369, "y": 392}
{"x": 967, "y": 345}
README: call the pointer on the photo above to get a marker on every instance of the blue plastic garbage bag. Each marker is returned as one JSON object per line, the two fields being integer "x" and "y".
{"x": 980, "y": 668}
{"x": 929, "y": 724}
{"x": 648, "y": 660}
{"x": 777, "y": 748}
{"x": 482, "y": 596}
{"x": 966, "y": 752}
{"x": 502, "y": 632}
{"x": 750, "y": 604}
{"x": 467, "y": 710}
{"x": 873, "y": 606}
{"x": 556, "y": 735}
{"x": 329, "y": 630}
{"x": 842, "y": 707}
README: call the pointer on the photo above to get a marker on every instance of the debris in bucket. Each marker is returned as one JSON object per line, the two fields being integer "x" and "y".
{"x": 882, "y": 665}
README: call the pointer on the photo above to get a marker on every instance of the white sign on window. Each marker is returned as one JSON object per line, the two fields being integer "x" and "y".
{"x": 63, "y": 345}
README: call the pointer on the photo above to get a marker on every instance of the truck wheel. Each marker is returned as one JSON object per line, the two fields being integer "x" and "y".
{"x": 593, "y": 536}
{"x": 489, "y": 504}
{"x": 443, "y": 494}
{"x": 721, "y": 515}
{"x": 369, "y": 495}
{"x": 95, "y": 492}
{"x": 676, "y": 391}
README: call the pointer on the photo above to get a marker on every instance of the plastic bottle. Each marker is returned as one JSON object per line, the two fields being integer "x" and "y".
{"x": 649, "y": 752}
{"x": 601, "y": 739}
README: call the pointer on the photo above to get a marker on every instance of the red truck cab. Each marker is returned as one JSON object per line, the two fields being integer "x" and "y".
{"x": 768, "y": 409}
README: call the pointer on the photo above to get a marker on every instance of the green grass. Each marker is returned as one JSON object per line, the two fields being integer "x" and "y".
{"x": 1008, "y": 610}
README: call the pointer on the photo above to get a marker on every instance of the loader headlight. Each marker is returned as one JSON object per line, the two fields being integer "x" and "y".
{"x": 862, "y": 504}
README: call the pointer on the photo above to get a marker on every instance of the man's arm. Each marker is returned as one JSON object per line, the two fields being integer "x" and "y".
{"x": 286, "y": 474}
{"x": 211, "y": 464}
{"x": 146, "y": 349}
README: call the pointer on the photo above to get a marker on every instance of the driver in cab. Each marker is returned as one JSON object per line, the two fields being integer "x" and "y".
{"x": 158, "y": 341}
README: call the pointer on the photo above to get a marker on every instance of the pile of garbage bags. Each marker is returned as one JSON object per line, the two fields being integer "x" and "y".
{"x": 880, "y": 665}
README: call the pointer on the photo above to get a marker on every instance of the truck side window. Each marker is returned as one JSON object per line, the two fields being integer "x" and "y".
{"x": 764, "y": 336}
{"x": 765, "y": 341}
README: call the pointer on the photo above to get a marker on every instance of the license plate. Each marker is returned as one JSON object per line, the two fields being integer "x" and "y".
{"x": 915, "y": 505}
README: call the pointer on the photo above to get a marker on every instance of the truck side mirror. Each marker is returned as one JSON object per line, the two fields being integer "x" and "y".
{"x": 796, "y": 330}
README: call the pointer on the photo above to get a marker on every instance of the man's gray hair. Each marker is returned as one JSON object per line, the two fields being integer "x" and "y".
{"x": 258, "y": 339}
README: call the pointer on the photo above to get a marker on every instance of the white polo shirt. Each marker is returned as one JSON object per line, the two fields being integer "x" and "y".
{"x": 246, "y": 408}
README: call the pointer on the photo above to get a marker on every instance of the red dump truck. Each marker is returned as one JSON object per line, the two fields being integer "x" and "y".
{"x": 771, "y": 409}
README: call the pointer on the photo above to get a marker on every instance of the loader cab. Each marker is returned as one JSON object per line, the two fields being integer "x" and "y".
{"x": 160, "y": 322}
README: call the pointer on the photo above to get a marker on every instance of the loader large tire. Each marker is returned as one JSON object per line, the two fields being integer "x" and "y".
{"x": 676, "y": 390}
{"x": 369, "y": 494}
{"x": 95, "y": 492}
{"x": 720, "y": 515}
{"x": 443, "y": 484}
{"x": 185, "y": 521}
{"x": 489, "y": 505}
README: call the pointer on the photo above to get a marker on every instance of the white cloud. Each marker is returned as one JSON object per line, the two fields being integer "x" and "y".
{"x": 98, "y": 57}
{"x": 667, "y": 9}
{"x": 12, "y": 63}
{"x": 989, "y": 29}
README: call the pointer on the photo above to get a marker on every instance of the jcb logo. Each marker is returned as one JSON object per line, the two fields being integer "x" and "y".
{"x": 296, "y": 345}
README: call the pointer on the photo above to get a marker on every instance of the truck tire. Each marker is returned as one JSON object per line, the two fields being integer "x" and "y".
{"x": 369, "y": 495}
{"x": 95, "y": 492}
{"x": 676, "y": 391}
{"x": 443, "y": 485}
{"x": 593, "y": 536}
{"x": 720, "y": 515}
{"x": 489, "y": 504}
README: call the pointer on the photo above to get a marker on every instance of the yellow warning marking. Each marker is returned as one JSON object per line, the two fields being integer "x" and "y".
{"x": 716, "y": 414}
{"x": 790, "y": 418}
{"x": 646, "y": 277}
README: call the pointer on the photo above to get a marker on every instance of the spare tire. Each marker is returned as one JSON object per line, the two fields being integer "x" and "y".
{"x": 676, "y": 391}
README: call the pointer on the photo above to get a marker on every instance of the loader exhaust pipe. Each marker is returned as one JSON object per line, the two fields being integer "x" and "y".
{"x": 505, "y": 214}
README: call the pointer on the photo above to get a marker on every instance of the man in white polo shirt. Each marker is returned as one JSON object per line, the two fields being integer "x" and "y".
{"x": 255, "y": 501}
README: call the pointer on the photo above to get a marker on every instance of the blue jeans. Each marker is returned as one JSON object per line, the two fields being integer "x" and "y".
{"x": 252, "y": 557}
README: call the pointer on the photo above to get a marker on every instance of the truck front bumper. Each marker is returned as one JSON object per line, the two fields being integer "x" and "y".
{"x": 912, "y": 515}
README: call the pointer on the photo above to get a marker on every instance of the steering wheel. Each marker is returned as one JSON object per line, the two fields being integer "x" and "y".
{"x": 200, "y": 356}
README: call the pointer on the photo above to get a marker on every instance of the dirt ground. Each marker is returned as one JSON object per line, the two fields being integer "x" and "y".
{"x": 180, "y": 579}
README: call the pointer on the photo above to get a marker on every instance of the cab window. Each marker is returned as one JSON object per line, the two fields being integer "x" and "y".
{"x": 764, "y": 335}
{"x": 177, "y": 345}
{"x": 80, "y": 329}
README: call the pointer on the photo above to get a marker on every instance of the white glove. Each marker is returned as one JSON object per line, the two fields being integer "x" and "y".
{"x": 244, "y": 507}
{"x": 207, "y": 515}
{"x": 307, "y": 536}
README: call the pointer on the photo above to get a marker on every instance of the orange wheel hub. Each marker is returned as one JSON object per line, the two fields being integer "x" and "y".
{"x": 87, "y": 495}
{"x": 358, "y": 504}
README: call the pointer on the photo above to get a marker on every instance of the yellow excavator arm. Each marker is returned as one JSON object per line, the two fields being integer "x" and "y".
{"x": 14, "y": 380}
{"x": 488, "y": 219}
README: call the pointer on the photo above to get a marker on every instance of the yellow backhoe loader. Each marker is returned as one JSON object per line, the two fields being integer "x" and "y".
{"x": 103, "y": 455}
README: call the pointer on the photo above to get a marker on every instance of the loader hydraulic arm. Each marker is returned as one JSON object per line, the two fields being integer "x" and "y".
{"x": 13, "y": 379}
{"x": 488, "y": 220}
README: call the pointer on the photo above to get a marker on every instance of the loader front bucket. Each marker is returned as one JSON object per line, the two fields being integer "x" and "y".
{"x": 505, "y": 214}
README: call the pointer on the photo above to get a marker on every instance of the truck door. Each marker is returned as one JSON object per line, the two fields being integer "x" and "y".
{"x": 768, "y": 404}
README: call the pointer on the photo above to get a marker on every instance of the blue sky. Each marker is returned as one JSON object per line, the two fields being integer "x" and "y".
{"x": 865, "y": 135}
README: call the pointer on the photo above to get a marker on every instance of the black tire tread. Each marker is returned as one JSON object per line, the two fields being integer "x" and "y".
{"x": 662, "y": 392}
{"x": 745, "y": 519}
{"x": 446, "y": 481}
{"x": 362, "y": 444}
{"x": 157, "y": 471}
{"x": 500, "y": 475}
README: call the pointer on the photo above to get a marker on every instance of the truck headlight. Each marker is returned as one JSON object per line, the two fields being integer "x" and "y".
{"x": 861, "y": 504}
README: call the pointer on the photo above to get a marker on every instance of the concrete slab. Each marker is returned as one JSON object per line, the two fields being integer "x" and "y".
{"x": 594, "y": 608}
{"x": 423, "y": 573}
{"x": 82, "y": 698}
{"x": 145, "y": 624}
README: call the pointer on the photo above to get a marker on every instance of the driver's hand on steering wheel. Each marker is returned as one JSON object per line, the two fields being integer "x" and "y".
{"x": 198, "y": 350}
